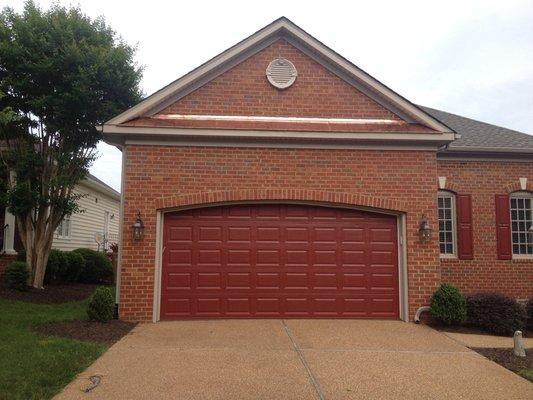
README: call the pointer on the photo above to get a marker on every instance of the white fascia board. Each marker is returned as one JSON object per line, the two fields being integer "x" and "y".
{"x": 161, "y": 132}
{"x": 279, "y": 25}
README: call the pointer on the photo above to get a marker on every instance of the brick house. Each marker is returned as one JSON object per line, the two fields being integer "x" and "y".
{"x": 280, "y": 180}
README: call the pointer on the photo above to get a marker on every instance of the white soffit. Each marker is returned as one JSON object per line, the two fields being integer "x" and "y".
{"x": 286, "y": 27}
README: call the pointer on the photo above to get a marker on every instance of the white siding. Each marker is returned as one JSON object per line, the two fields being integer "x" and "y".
{"x": 83, "y": 226}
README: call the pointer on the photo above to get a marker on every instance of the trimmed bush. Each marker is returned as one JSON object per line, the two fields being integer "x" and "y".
{"x": 495, "y": 313}
{"x": 17, "y": 274}
{"x": 448, "y": 305}
{"x": 21, "y": 256}
{"x": 101, "y": 305}
{"x": 529, "y": 310}
{"x": 75, "y": 264}
{"x": 56, "y": 267}
{"x": 97, "y": 266}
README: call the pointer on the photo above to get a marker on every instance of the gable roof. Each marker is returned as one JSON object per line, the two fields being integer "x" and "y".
{"x": 281, "y": 28}
{"x": 478, "y": 136}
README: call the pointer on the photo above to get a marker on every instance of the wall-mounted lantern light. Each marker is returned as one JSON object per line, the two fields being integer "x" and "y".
{"x": 424, "y": 230}
{"x": 138, "y": 228}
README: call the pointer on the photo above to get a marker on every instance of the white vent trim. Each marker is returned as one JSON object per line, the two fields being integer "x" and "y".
{"x": 281, "y": 73}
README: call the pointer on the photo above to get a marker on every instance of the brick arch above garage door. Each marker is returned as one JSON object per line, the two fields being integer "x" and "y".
{"x": 279, "y": 261}
{"x": 281, "y": 194}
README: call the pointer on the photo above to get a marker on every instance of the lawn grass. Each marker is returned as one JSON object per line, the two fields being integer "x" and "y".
{"x": 526, "y": 373}
{"x": 33, "y": 366}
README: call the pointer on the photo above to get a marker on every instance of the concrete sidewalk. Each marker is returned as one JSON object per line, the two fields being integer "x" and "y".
{"x": 294, "y": 359}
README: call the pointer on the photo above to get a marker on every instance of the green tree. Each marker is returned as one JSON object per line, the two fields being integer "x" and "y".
{"x": 61, "y": 75}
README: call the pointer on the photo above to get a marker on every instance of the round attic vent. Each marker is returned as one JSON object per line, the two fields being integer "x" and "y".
{"x": 281, "y": 73}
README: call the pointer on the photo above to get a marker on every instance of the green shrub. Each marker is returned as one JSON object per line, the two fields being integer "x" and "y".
{"x": 97, "y": 266}
{"x": 495, "y": 313}
{"x": 101, "y": 305}
{"x": 75, "y": 264}
{"x": 21, "y": 256}
{"x": 56, "y": 267}
{"x": 448, "y": 305}
{"x": 529, "y": 311}
{"x": 17, "y": 274}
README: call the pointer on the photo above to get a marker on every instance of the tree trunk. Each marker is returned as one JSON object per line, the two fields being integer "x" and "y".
{"x": 37, "y": 243}
{"x": 41, "y": 252}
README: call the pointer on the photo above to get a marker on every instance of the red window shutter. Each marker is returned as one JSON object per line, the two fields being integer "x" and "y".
{"x": 503, "y": 227}
{"x": 465, "y": 248}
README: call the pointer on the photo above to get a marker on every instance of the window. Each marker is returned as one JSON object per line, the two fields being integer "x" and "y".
{"x": 63, "y": 229}
{"x": 447, "y": 234}
{"x": 521, "y": 223}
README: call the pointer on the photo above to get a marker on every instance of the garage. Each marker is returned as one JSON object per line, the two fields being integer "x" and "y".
{"x": 279, "y": 261}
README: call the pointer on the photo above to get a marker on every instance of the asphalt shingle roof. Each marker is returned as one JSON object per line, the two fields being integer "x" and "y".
{"x": 480, "y": 136}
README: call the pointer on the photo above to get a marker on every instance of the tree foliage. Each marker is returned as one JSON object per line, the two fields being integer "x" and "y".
{"x": 61, "y": 75}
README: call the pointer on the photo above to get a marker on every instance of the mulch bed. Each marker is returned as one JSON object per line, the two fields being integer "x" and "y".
{"x": 507, "y": 359}
{"x": 101, "y": 332}
{"x": 51, "y": 294}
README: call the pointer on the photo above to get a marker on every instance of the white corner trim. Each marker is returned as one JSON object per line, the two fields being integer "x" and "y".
{"x": 403, "y": 281}
{"x": 280, "y": 26}
{"x": 120, "y": 231}
{"x": 523, "y": 183}
{"x": 442, "y": 182}
{"x": 158, "y": 266}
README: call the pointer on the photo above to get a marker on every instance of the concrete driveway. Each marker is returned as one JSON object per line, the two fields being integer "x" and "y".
{"x": 294, "y": 359}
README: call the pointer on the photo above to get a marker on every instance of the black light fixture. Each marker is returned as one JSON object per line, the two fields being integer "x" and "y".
{"x": 424, "y": 230}
{"x": 138, "y": 228}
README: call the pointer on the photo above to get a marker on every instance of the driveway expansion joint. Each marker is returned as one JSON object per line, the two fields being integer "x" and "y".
{"x": 311, "y": 376}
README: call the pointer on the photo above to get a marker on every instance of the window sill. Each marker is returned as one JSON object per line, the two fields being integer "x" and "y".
{"x": 522, "y": 259}
{"x": 448, "y": 257}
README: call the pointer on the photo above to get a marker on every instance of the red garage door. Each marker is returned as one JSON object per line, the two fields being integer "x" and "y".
{"x": 279, "y": 261}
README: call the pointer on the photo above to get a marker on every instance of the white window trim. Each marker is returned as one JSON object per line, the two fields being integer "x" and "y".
{"x": 451, "y": 195}
{"x": 518, "y": 195}
{"x": 67, "y": 237}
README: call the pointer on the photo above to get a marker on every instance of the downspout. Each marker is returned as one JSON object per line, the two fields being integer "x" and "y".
{"x": 420, "y": 311}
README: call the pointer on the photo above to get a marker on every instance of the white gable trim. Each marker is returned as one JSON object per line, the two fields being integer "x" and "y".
{"x": 256, "y": 42}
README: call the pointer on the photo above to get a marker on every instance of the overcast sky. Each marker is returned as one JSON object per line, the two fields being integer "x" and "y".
{"x": 473, "y": 58}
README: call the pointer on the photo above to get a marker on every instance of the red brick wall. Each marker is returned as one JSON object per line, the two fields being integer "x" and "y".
{"x": 244, "y": 90}
{"x": 485, "y": 272}
{"x": 166, "y": 176}
{"x": 4, "y": 261}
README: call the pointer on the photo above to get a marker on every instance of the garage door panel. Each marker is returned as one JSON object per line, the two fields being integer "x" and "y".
{"x": 208, "y": 258}
{"x": 277, "y": 261}
{"x": 268, "y": 280}
{"x": 296, "y": 281}
{"x": 239, "y": 280}
{"x": 297, "y": 258}
{"x": 180, "y": 234}
{"x": 177, "y": 281}
{"x": 268, "y": 258}
{"x": 210, "y": 234}
{"x": 268, "y": 234}
{"x": 178, "y": 256}
{"x": 297, "y": 235}
{"x": 240, "y": 234}
{"x": 209, "y": 280}
{"x": 325, "y": 258}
